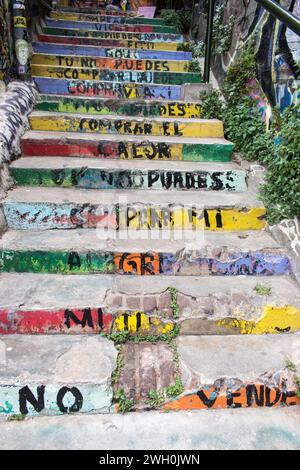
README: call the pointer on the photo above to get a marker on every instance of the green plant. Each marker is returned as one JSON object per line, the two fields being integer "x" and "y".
{"x": 181, "y": 18}
{"x": 193, "y": 66}
{"x": 260, "y": 289}
{"x": 174, "y": 303}
{"x": 175, "y": 390}
{"x": 196, "y": 48}
{"x": 19, "y": 417}
{"x": 278, "y": 148}
{"x": 290, "y": 365}
{"x": 155, "y": 400}
{"x": 125, "y": 404}
{"x": 222, "y": 32}
{"x": 116, "y": 375}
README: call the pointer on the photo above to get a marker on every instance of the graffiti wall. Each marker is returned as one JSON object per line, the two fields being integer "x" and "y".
{"x": 277, "y": 48}
{"x": 6, "y": 42}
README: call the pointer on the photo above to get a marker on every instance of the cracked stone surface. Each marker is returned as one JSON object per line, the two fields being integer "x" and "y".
{"x": 206, "y": 359}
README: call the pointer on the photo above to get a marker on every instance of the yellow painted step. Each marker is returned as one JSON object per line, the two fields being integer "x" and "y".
{"x": 57, "y": 122}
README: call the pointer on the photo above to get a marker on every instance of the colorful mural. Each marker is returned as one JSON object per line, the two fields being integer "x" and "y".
{"x": 277, "y": 48}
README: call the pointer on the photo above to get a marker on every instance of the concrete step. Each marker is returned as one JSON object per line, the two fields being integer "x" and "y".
{"x": 248, "y": 372}
{"x": 100, "y": 106}
{"x": 146, "y": 65}
{"x": 113, "y": 43}
{"x": 113, "y": 35}
{"x": 82, "y": 252}
{"x": 230, "y": 429}
{"x": 206, "y": 305}
{"x": 114, "y": 90}
{"x": 33, "y": 208}
{"x": 138, "y": 126}
{"x": 94, "y": 26}
{"x": 98, "y": 174}
{"x": 41, "y": 376}
{"x": 119, "y": 53}
{"x": 67, "y": 144}
{"x": 108, "y": 18}
{"x": 111, "y": 75}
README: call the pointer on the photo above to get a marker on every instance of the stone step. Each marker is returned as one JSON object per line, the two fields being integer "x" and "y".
{"x": 111, "y": 75}
{"x": 138, "y": 65}
{"x": 206, "y": 305}
{"x": 100, "y": 106}
{"x": 52, "y": 375}
{"x": 84, "y": 252}
{"x": 113, "y": 35}
{"x": 108, "y": 18}
{"x": 263, "y": 429}
{"x": 98, "y": 8}
{"x": 94, "y": 51}
{"x": 66, "y": 144}
{"x": 33, "y": 208}
{"x": 94, "y": 26}
{"x": 71, "y": 172}
{"x": 138, "y": 126}
{"x": 112, "y": 43}
{"x": 113, "y": 90}
{"x": 247, "y": 372}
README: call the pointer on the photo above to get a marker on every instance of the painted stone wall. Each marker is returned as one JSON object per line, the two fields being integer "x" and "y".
{"x": 6, "y": 43}
{"x": 277, "y": 48}
{"x": 16, "y": 102}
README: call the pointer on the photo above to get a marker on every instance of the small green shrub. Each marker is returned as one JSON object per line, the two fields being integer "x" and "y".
{"x": 155, "y": 400}
{"x": 194, "y": 67}
{"x": 196, "y": 48}
{"x": 181, "y": 18}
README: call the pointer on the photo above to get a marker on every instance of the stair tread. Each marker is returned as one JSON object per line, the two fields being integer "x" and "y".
{"x": 76, "y": 162}
{"x": 55, "y": 195}
{"x": 117, "y": 117}
{"x": 83, "y": 240}
{"x": 54, "y": 97}
{"x": 122, "y": 138}
{"x": 52, "y": 291}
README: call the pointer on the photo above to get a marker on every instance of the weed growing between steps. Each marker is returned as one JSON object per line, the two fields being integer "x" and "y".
{"x": 261, "y": 289}
{"x": 174, "y": 303}
{"x": 156, "y": 400}
{"x": 277, "y": 148}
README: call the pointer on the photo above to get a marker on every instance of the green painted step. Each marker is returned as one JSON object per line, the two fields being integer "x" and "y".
{"x": 63, "y": 104}
{"x": 71, "y": 172}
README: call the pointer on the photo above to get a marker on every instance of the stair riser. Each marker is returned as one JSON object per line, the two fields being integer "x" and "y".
{"x": 91, "y": 178}
{"x": 68, "y": 123}
{"x": 129, "y": 91}
{"x": 56, "y": 399}
{"x": 274, "y": 320}
{"x": 108, "y": 63}
{"x": 118, "y": 107}
{"x": 72, "y": 73}
{"x": 115, "y": 35}
{"x": 144, "y": 264}
{"x": 128, "y": 151}
{"x": 105, "y": 18}
{"x": 47, "y": 216}
{"x": 64, "y": 321}
{"x": 119, "y": 53}
{"x": 245, "y": 396}
{"x": 109, "y": 27}
{"x": 143, "y": 45}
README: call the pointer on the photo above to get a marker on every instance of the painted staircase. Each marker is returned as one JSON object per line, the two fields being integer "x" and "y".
{"x": 130, "y": 218}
